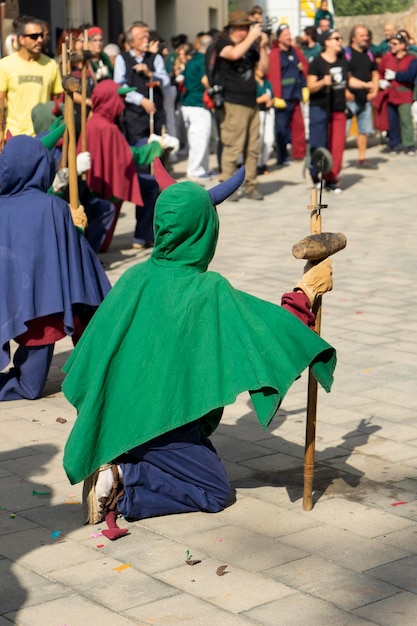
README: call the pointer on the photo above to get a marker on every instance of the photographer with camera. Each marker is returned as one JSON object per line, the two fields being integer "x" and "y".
{"x": 237, "y": 56}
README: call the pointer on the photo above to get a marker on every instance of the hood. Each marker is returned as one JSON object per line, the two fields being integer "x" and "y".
{"x": 106, "y": 100}
{"x": 186, "y": 227}
{"x": 25, "y": 164}
{"x": 45, "y": 114}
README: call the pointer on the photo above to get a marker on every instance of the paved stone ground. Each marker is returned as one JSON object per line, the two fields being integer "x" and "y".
{"x": 352, "y": 559}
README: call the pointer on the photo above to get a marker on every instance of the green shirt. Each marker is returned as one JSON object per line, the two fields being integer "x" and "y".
{"x": 194, "y": 89}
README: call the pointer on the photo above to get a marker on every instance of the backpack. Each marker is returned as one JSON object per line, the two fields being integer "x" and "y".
{"x": 348, "y": 54}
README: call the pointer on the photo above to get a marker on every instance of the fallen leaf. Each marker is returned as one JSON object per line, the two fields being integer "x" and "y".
{"x": 61, "y": 420}
{"x": 122, "y": 567}
{"x": 192, "y": 561}
{"x": 221, "y": 569}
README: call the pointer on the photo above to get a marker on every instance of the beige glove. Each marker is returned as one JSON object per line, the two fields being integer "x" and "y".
{"x": 317, "y": 279}
{"x": 279, "y": 103}
{"x": 79, "y": 218}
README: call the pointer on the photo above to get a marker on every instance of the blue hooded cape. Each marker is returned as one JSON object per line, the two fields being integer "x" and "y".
{"x": 46, "y": 265}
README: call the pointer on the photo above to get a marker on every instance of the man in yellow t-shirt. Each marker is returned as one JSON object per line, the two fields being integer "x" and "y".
{"x": 27, "y": 78}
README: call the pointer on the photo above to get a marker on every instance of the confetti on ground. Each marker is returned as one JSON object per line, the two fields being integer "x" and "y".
{"x": 72, "y": 502}
{"x": 398, "y": 503}
{"x": 100, "y": 545}
{"x": 359, "y": 312}
{"x": 41, "y": 493}
{"x": 221, "y": 570}
{"x": 61, "y": 420}
{"x": 55, "y": 534}
{"x": 219, "y": 538}
{"x": 122, "y": 567}
{"x": 12, "y": 515}
{"x": 95, "y": 535}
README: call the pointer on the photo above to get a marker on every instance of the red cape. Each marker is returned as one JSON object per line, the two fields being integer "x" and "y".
{"x": 113, "y": 172}
{"x": 274, "y": 75}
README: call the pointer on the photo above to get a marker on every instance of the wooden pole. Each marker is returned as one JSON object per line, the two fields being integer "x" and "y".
{"x": 70, "y": 85}
{"x": 2, "y": 32}
{"x": 84, "y": 101}
{"x": 64, "y": 69}
{"x": 310, "y": 442}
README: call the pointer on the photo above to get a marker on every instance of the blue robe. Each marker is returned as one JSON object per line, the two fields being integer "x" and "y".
{"x": 46, "y": 265}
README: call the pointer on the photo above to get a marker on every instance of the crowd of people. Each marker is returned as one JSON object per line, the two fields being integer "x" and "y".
{"x": 141, "y": 436}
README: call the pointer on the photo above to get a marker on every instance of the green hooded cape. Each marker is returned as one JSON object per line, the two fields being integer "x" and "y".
{"x": 173, "y": 342}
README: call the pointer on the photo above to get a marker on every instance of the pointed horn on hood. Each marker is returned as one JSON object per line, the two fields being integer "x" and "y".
{"x": 53, "y": 137}
{"x": 163, "y": 179}
{"x": 220, "y": 192}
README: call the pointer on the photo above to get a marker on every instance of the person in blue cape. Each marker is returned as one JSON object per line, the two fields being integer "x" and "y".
{"x": 51, "y": 281}
{"x": 171, "y": 345}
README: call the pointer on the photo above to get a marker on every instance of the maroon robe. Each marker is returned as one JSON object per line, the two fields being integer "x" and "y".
{"x": 113, "y": 171}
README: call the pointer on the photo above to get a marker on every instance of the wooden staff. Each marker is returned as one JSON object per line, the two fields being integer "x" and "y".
{"x": 64, "y": 71}
{"x": 71, "y": 85}
{"x": 2, "y": 33}
{"x": 310, "y": 443}
{"x": 84, "y": 100}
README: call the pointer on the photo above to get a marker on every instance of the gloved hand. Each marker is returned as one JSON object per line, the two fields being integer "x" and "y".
{"x": 317, "y": 279}
{"x": 305, "y": 93}
{"x": 102, "y": 72}
{"x": 168, "y": 142}
{"x": 279, "y": 103}
{"x": 390, "y": 75}
{"x": 61, "y": 179}
{"x": 383, "y": 84}
{"x": 83, "y": 162}
{"x": 79, "y": 218}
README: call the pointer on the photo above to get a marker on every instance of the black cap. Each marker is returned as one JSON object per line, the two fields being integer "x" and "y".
{"x": 325, "y": 34}
{"x": 281, "y": 28}
{"x": 400, "y": 38}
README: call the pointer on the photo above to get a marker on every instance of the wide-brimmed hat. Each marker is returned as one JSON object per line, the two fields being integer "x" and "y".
{"x": 238, "y": 18}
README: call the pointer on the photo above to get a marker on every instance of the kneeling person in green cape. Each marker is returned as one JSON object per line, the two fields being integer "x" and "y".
{"x": 170, "y": 346}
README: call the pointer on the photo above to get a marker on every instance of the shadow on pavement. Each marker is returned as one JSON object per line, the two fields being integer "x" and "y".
{"x": 28, "y": 521}
{"x": 327, "y": 478}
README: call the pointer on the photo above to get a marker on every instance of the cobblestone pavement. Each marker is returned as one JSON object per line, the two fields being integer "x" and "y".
{"x": 352, "y": 559}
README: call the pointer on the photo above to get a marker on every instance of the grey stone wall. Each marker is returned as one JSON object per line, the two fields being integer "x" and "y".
{"x": 405, "y": 19}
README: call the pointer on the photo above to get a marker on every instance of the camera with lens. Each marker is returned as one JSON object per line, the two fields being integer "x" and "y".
{"x": 216, "y": 94}
{"x": 268, "y": 25}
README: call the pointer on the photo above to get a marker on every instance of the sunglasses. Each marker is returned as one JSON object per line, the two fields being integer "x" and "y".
{"x": 336, "y": 38}
{"x": 35, "y": 36}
